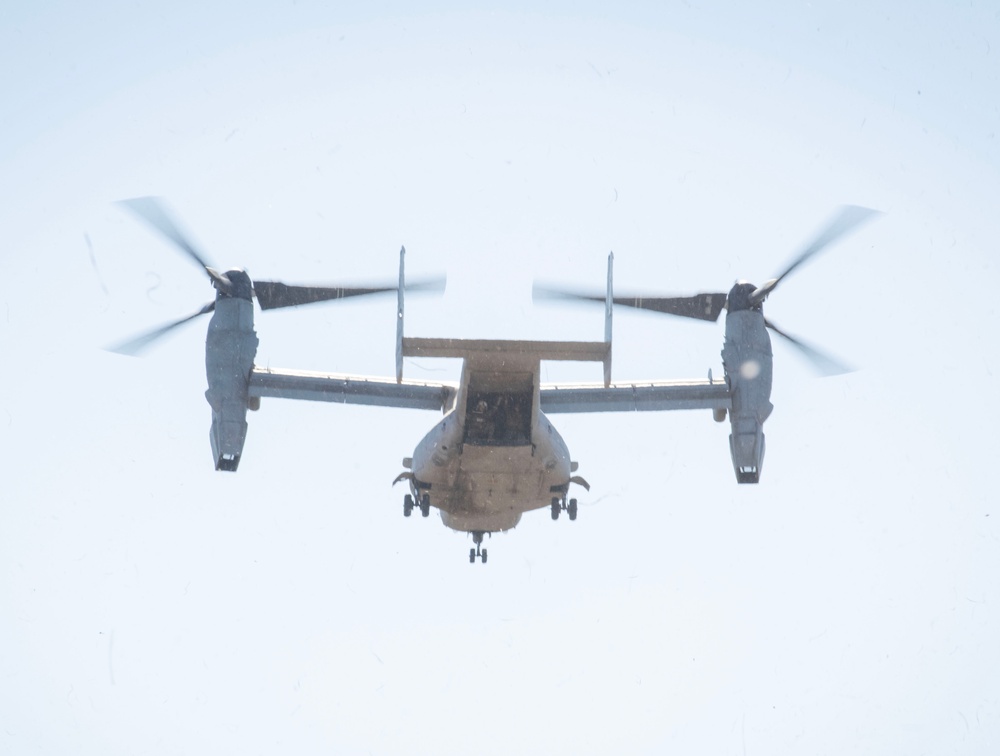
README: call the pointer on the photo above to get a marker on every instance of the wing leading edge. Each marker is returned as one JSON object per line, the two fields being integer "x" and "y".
{"x": 635, "y": 397}
{"x": 655, "y": 396}
{"x": 348, "y": 389}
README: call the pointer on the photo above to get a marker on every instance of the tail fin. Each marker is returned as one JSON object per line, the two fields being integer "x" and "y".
{"x": 608, "y": 305}
{"x": 399, "y": 318}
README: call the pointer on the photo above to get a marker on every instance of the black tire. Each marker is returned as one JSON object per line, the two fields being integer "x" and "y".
{"x": 407, "y": 505}
{"x": 484, "y": 556}
{"x": 555, "y": 511}
{"x": 472, "y": 556}
{"x": 425, "y": 505}
{"x": 572, "y": 509}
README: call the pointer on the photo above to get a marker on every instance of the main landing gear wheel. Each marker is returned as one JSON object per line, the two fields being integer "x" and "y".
{"x": 425, "y": 505}
{"x": 407, "y": 505}
{"x": 558, "y": 505}
{"x": 477, "y": 538}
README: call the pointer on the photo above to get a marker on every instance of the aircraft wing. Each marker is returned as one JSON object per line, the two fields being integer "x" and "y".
{"x": 348, "y": 389}
{"x": 386, "y": 392}
{"x": 635, "y": 397}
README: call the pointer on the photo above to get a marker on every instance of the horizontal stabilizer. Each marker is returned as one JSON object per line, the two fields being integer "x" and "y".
{"x": 507, "y": 353}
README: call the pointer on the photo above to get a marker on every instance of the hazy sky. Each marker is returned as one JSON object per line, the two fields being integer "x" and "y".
{"x": 848, "y": 603}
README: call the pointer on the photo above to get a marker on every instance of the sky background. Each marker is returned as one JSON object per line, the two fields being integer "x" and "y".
{"x": 848, "y": 603}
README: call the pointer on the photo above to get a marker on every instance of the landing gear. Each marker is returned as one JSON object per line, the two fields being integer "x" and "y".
{"x": 424, "y": 502}
{"x": 477, "y": 538}
{"x": 558, "y": 505}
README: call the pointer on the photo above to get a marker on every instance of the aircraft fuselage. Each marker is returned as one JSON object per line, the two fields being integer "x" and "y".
{"x": 484, "y": 484}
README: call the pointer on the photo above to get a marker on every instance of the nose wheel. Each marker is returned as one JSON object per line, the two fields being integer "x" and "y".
{"x": 561, "y": 505}
{"x": 477, "y": 553}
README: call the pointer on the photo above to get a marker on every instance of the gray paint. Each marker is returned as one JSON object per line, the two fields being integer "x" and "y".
{"x": 230, "y": 348}
{"x": 746, "y": 357}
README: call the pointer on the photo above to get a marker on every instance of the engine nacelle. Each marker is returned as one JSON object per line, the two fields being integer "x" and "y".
{"x": 230, "y": 348}
{"x": 746, "y": 445}
{"x": 747, "y": 360}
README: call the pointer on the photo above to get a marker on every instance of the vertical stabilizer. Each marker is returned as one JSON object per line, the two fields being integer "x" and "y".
{"x": 399, "y": 317}
{"x": 608, "y": 305}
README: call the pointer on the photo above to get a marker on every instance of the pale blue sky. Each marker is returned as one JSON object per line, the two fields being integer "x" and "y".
{"x": 847, "y": 603}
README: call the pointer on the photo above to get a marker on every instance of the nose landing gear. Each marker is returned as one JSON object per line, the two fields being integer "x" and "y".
{"x": 477, "y": 538}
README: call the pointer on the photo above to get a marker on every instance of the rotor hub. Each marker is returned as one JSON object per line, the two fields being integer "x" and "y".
{"x": 741, "y": 297}
{"x": 240, "y": 285}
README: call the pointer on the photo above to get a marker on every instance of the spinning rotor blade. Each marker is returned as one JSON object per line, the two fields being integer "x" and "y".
{"x": 847, "y": 219}
{"x": 133, "y": 346}
{"x": 237, "y": 284}
{"x": 544, "y": 292}
{"x": 433, "y": 285}
{"x": 701, "y": 306}
{"x": 152, "y": 211}
{"x": 274, "y": 294}
{"x": 823, "y": 364}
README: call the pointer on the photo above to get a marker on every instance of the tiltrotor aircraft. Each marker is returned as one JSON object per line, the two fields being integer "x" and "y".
{"x": 494, "y": 454}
